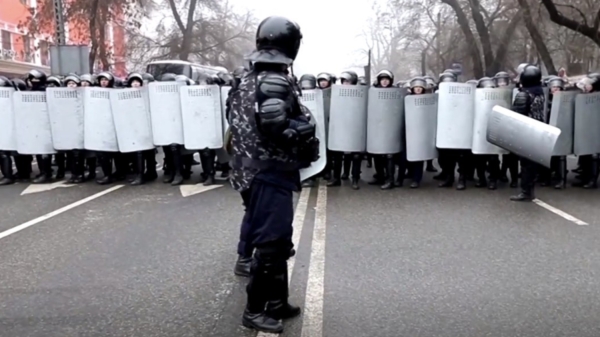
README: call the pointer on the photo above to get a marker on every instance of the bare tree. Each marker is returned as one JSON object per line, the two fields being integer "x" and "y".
{"x": 588, "y": 13}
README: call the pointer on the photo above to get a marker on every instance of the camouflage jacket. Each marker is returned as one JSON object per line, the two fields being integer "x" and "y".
{"x": 251, "y": 152}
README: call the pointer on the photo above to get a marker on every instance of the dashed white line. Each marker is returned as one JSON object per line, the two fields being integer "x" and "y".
{"x": 312, "y": 322}
{"x": 298, "y": 224}
{"x": 57, "y": 212}
{"x": 560, "y": 213}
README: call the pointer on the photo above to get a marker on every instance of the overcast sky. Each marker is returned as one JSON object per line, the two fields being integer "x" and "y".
{"x": 331, "y": 29}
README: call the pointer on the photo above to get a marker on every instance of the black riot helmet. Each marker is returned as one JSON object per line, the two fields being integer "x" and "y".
{"x": 333, "y": 78}
{"x": 277, "y": 41}
{"x": 87, "y": 78}
{"x": 5, "y": 82}
{"x": 107, "y": 76}
{"x": 134, "y": 77}
{"x": 53, "y": 81}
{"x": 37, "y": 79}
{"x": 72, "y": 79}
{"x": 448, "y": 76}
{"x": 148, "y": 78}
{"x": 530, "y": 77}
{"x": 324, "y": 80}
{"x": 168, "y": 77}
{"x": 486, "y": 82}
{"x": 430, "y": 82}
{"x": 349, "y": 76}
{"x": 308, "y": 82}
{"x": 384, "y": 74}
{"x": 502, "y": 79}
{"x": 19, "y": 84}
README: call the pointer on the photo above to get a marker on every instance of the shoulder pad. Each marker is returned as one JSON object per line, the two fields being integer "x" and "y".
{"x": 274, "y": 85}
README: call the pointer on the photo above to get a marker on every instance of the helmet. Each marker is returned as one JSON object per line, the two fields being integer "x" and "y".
{"x": 556, "y": 81}
{"x": 502, "y": 79}
{"x": 148, "y": 78}
{"x": 87, "y": 78}
{"x": 472, "y": 82}
{"x": 53, "y": 81}
{"x": 277, "y": 41}
{"x": 324, "y": 77}
{"x": 333, "y": 78}
{"x": 167, "y": 77}
{"x": 19, "y": 84}
{"x": 447, "y": 76}
{"x": 430, "y": 82}
{"x": 217, "y": 80}
{"x": 134, "y": 76}
{"x": 486, "y": 82}
{"x": 181, "y": 78}
{"x": 5, "y": 82}
{"x": 35, "y": 74}
{"x": 108, "y": 76}
{"x": 418, "y": 82}
{"x": 119, "y": 83}
{"x": 307, "y": 82}
{"x": 362, "y": 80}
{"x": 399, "y": 84}
{"x": 72, "y": 78}
{"x": 384, "y": 74}
{"x": 226, "y": 78}
{"x": 531, "y": 76}
{"x": 349, "y": 76}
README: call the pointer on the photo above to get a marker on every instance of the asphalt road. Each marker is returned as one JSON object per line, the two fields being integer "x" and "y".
{"x": 146, "y": 261}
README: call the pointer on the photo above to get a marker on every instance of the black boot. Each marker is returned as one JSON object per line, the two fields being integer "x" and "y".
{"x": 107, "y": 169}
{"x": 260, "y": 289}
{"x": 390, "y": 174}
{"x": 7, "y": 171}
{"x": 279, "y": 308}
{"x": 150, "y": 164}
{"x": 310, "y": 182}
{"x": 462, "y": 183}
{"x": 355, "y": 184}
{"x": 45, "y": 167}
{"x": 523, "y": 196}
{"x": 176, "y": 172}
{"x": 77, "y": 167}
{"x": 430, "y": 167}
{"x": 207, "y": 159}
{"x": 138, "y": 179}
{"x": 337, "y": 171}
{"x": 242, "y": 266}
{"x": 92, "y": 164}
{"x": 380, "y": 164}
{"x": 61, "y": 161}
{"x": 347, "y": 165}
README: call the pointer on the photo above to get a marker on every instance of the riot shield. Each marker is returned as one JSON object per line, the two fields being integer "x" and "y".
{"x": 65, "y": 109}
{"x": 456, "y": 112}
{"x": 348, "y": 119}
{"x": 34, "y": 135}
{"x": 562, "y": 115}
{"x": 521, "y": 135}
{"x": 587, "y": 123}
{"x": 313, "y": 101}
{"x": 132, "y": 120}
{"x": 8, "y": 135}
{"x": 420, "y": 113}
{"x": 224, "y": 95}
{"x": 485, "y": 100}
{"x": 99, "y": 127}
{"x": 165, "y": 111}
{"x": 202, "y": 117}
{"x": 327, "y": 106}
{"x": 385, "y": 121}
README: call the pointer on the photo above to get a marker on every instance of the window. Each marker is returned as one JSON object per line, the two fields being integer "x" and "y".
{"x": 44, "y": 53}
{"x": 6, "y": 40}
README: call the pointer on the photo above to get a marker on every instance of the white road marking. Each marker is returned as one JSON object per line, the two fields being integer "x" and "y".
{"x": 560, "y": 213}
{"x": 298, "y": 224}
{"x": 189, "y": 190}
{"x": 57, "y": 212}
{"x": 37, "y": 188}
{"x": 312, "y": 322}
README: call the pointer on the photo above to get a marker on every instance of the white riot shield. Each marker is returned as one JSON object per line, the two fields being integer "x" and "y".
{"x": 456, "y": 112}
{"x": 522, "y": 135}
{"x": 202, "y": 117}
{"x": 8, "y": 134}
{"x": 165, "y": 111}
{"x": 348, "y": 119}
{"x": 34, "y": 135}
{"x": 385, "y": 121}
{"x": 587, "y": 123}
{"x": 485, "y": 100}
{"x": 420, "y": 113}
{"x": 224, "y": 94}
{"x": 132, "y": 120}
{"x": 562, "y": 115}
{"x": 313, "y": 101}
{"x": 65, "y": 109}
{"x": 99, "y": 128}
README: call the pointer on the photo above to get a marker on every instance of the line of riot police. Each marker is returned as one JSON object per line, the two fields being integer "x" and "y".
{"x": 81, "y": 119}
{"x": 405, "y": 125}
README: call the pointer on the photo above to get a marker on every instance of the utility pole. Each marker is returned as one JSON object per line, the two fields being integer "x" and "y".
{"x": 65, "y": 59}
{"x": 59, "y": 23}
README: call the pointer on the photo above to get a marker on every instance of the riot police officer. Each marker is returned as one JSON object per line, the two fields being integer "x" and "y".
{"x": 487, "y": 162}
{"x": 418, "y": 86}
{"x": 270, "y": 143}
{"x": 529, "y": 101}
{"x": 53, "y": 82}
{"x": 325, "y": 81}
{"x": 558, "y": 165}
{"x": 5, "y": 155}
{"x": 588, "y": 164}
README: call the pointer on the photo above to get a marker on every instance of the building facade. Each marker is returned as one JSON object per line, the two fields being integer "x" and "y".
{"x": 20, "y": 53}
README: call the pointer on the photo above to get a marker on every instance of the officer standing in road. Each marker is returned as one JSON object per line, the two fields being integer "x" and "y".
{"x": 530, "y": 102}
{"x": 37, "y": 81}
{"x": 271, "y": 141}
{"x": 5, "y": 155}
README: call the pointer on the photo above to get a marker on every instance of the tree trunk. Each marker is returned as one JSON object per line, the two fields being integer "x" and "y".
{"x": 93, "y": 34}
{"x": 502, "y": 49}
{"x": 592, "y": 32}
{"x": 484, "y": 34}
{"x": 537, "y": 38}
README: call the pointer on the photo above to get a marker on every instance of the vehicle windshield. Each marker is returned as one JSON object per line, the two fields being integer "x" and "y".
{"x": 159, "y": 69}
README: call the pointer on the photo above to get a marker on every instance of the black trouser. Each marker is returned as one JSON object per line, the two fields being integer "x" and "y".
{"x": 351, "y": 161}
{"x": 207, "y": 160}
{"x": 510, "y": 163}
{"x": 77, "y": 167}
{"x": 586, "y": 164}
{"x": 450, "y": 158}
{"x": 270, "y": 213}
{"x": 44, "y": 162}
{"x": 6, "y": 165}
{"x": 529, "y": 171}
{"x": 245, "y": 248}
{"x": 174, "y": 160}
{"x": 380, "y": 164}
{"x": 487, "y": 163}
{"x": 416, "y": 170}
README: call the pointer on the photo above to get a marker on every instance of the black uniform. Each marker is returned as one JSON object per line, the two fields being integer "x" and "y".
{"x": 487, "y": 162}
{"x": 271, "y": 141}
{"x": 530, "y": 102}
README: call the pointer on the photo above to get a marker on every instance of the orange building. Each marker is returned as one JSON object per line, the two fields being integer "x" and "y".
{"x": 20, "y": 53}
